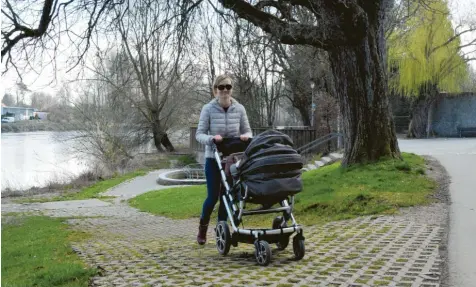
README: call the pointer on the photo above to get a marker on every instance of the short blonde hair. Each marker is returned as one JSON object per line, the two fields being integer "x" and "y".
{"x": 221, "y": 78}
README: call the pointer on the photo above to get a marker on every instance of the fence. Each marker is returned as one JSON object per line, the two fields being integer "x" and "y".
{"x": 401, "y": 123}
{"x": 300, "y": 136}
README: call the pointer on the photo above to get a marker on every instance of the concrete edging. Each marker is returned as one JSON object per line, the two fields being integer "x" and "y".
{"x": 333, "y": 157}
{"x": 164, "y": 179}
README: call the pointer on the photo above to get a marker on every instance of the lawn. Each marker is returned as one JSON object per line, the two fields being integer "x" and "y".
{"x": 36, "y": 252}
{"x": 330, "y": 193}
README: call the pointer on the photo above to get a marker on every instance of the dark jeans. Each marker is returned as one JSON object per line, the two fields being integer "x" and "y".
{"x": 212, "y": 174}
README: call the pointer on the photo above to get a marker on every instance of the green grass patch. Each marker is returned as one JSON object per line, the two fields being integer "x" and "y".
{"x": 36, "y": 252}
{"x": 177, "y": 203}
{"x": 330, "y": 193}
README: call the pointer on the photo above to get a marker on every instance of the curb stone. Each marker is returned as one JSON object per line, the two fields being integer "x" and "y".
{"x": 333, "y": 157}
{"x": 319, "y": 163}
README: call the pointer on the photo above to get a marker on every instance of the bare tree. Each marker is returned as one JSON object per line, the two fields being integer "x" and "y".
{"x": 42, "y": 101}
{"x": 352, "y": 32}
{"x": 34, "y": 32}
{"x": 153, "y": 40}
{"x": 8, "y": 99}
{"x": 106, "y": 127}
{"x": 22, "y": 89}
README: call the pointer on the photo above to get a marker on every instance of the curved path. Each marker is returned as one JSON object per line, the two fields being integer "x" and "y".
{"x": 458, "y": 156}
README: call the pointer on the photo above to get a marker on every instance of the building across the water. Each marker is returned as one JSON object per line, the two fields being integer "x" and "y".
{"x": 19, "y": 113}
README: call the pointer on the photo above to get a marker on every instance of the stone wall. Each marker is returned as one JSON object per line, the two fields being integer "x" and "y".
{"x": 453, "y": 111}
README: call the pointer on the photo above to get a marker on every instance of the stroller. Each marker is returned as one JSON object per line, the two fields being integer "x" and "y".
{"x": 268, "y": 172}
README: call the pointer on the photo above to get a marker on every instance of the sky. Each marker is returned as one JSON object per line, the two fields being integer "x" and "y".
{"x": 50, "y": 82}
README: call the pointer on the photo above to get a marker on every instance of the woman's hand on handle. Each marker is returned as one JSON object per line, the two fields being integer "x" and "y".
{"x": 244, "y": 138}
{"x": 217, "y": 138}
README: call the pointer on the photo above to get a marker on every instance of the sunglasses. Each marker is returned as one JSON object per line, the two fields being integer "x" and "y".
{"x": 222, "y": 87}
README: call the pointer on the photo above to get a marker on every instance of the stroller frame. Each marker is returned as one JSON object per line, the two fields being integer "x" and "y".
{"x": 279, "y": 233}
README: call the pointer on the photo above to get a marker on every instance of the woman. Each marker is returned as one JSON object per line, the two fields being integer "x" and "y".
{"x": 222, "y": 117}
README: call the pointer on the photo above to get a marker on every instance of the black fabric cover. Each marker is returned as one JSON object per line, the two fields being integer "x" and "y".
{"x": 271, "y": 168}
{"x": 232, "y": 145}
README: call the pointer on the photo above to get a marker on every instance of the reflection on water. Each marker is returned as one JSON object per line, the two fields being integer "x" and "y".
{"x": 36, "y": 158}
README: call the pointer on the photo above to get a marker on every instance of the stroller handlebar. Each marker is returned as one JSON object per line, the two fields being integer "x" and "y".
{"x": 230, "y": 145}
{"x": 230, "y": 139}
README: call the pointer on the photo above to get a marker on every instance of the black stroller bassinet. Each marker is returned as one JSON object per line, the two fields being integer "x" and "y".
{"x": 270, "y": 168}
{"x": 268, "y": 172}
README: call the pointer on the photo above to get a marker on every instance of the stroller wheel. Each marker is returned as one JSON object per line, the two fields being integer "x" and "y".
{"x": 223, "y": 237}
{"x": 284, "y": 240}
{"x": 298, "y": 248}
{"x": 262, "y": 253}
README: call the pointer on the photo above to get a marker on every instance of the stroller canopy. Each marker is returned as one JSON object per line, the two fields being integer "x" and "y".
{"x": 271, "y": 168}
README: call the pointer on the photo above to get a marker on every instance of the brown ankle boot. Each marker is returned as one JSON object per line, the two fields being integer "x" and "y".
{"x": 202, "y": 232}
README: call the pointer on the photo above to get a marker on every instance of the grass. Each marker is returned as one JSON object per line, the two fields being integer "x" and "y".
{"x": 177, "y": 203}
{"x": 36, "y": 252}
{"x": 330, "y": 193}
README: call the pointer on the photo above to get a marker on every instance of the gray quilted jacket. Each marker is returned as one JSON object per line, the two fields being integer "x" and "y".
{"x": 215, "y": 121}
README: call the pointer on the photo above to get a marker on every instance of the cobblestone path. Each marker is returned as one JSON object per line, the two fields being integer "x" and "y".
{"x": 138, "y": 249}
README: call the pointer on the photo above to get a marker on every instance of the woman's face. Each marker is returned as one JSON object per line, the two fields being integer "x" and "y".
{"x": 224, "y": 89}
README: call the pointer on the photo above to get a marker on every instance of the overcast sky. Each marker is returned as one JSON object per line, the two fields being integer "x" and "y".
{"x": 461, "y": 9}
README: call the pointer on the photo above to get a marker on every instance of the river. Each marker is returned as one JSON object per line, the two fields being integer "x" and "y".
{"x": 36, "y": 158}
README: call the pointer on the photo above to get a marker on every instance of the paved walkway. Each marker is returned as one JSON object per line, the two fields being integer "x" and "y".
{"x": 137, "y": 186}
{"x": 458, "y": 156}
{"x": 132, "y": 248}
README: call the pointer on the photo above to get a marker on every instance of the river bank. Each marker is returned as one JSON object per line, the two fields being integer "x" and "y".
{"x": 97, "y": 177}
{"x": 33, "y": 126}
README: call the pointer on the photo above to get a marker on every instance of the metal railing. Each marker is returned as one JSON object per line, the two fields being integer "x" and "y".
{"x": 299, "y": 135}
{"x": 312, "y": 146}
{"x": 194, "y": 171}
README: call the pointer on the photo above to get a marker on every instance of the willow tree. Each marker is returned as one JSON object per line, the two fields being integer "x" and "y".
{"x": 352, "y": 33}
{"x": 429, "y": 59}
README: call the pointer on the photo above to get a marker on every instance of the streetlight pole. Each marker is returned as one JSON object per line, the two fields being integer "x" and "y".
{"x": 313, "y": 106}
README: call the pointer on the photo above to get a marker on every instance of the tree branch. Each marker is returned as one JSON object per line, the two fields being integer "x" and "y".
{"x": 28, "y": 32}
{"x": 325, "y": 36}
{"x": 281, "y": 6}
{"x": 456, "y": 36}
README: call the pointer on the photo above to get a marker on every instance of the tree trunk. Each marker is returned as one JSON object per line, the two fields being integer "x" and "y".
{"x": 303, "y": 111}
{"x": 421, "y": 118}
{"x": 160, "y": 137}
{"x": 361, "y": 86}
{"x": 167, "y": 143}
{"x": 429, "y": 131}
{"x": 418, "y": 123}
{"x": 302, "y": 102}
